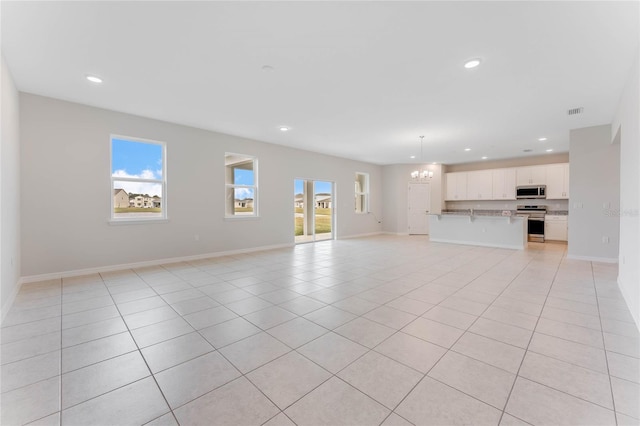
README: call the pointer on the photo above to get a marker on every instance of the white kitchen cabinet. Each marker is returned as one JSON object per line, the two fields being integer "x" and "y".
{"x": 555, "y": 228}
{"x": 531, "y": 175}
{"x": 480, "y": 185}
{"x": 504, "y": 184}
{"x": 558, "y": 181}
{"x": 456, "y": 186}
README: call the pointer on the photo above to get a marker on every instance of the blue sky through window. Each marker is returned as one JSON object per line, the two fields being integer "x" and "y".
{"x": 242, "y": 177}
{"x": 136, "y": 159}
{"x": 320, "y": 187}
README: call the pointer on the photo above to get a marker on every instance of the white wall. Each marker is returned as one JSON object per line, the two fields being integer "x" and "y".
{"x": 66, "y": 187}
{"x": 10, "y": 190}
{"x": 396, "y": 179}
{"x": 626, "y": 125}
{"x": 595, "y": 194}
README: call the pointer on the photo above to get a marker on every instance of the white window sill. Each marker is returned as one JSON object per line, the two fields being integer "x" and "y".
{"x": 232, "y": 218}
{"x": 118, "y": 222}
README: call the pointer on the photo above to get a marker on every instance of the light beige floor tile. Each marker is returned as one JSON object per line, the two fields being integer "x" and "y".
{"x": 450, "y": 317}
{"x": 27, "y": 348}
{"x": 160, "y": 332}
{"x": 236, "y": 403}
{"x": 490, "y": 351}
{"x": 570, "y": 305}
{"x": 189, "y": 306}
{"x": 175, "y": 351}
{"x": 288, "y": 378}
{"x": 365, "y": 332}
{"x": 574, "y": 353}
{"x": 28, "y": 330}
{"x": 97, "y": 379}
{"x": 134, "y": 404}
{"x": 164, "y": 420}
{"x": 85, "y": 305}
{"x": 505, "y": 333}
{"x": 624, "y": 345}
{"x": 30, "y": 403}
{"x": 248, "y": 305}
{"x": 228, "y": 332}
{"x": 330, "y": 317}
{"x": 192, "y": 379}
{"x": 525, "y": 307}
{"x": 332, "y": 351}
{"x": 570, "y": 317}
{"x": 93, "y": 331}
{"x": 356, "y": 305}
{"x": 577, "y": 381}
{"x": 434, "y": 332}
{"x": 182, "y": 295}
{"x": 335, "y": 402}
{"x": 624, "y": 367}
{"x": 411, "y": 351}
{"x": 209, "y": 317}
{"x": 87, "y": 317}
{"x": 396, "y": 420}
{"x": 79, "y": 356}
{"x": 528, "y": 398}
{"x": 15, "y": 317}
{"x": 50, "y": 420}
{"x": 626, "y": 396}
{"x": 269, "y": 317}
{"x": 432, "y": 402}
{"x": 575, "y": 333}
{"x": 482, "y": 381}
{"x": 509, "y": 420}
{"x": 297, "y": 332}
{"x": 464, "y": 305}
{"x": 279, "y": 296}
{"x": 148, "y": 317}
{"x": 30, "y": 370}
{"x": 129, "y": 296}
{"x": 280, "y": 419}
{"x": 381, "y": 378}
{"x": 412, "y": 306}
{"x": 390, "y": 317}
{"x": 516, "y": 319}
{"x": 302, "y": 305}
{"x": 254, "y": 351}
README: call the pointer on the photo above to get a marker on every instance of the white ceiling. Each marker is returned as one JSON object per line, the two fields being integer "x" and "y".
{"x": 361, "y": 80}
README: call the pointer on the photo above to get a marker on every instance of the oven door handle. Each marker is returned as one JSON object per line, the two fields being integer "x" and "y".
{"x": 537, "y": 219}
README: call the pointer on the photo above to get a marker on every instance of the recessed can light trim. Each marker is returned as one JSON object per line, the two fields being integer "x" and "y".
{"x": 472, "y": 63}
{"x": 542, "y": 139}
{"x": 484, "y": 158}
{"x": 284, "y": 128}
{"x": 93, "y": 78}
{"x": 550, "y": 150}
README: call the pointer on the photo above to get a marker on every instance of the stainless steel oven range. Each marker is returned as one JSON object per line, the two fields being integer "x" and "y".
{"x": 535, "y": 221}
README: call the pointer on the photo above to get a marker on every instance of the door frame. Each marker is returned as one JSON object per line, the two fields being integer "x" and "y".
{"x": 311, "y": 222}
{"x": 409, "y": 184}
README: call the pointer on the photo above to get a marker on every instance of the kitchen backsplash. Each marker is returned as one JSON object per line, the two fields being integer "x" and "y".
{"x": 506, "y": 205}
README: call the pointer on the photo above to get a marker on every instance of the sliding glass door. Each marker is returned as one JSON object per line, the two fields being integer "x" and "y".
{"x": 313, "y": 210}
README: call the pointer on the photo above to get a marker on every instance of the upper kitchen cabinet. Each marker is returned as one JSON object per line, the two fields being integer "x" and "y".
{"x": 480, "y": 185}
{"x": 531, "y": 175}
{"x": 504, "y": 184}
{"x": 558, "y": 181}
{"x": 456, "y": 186}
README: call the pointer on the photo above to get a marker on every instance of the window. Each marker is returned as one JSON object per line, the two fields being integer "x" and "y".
{"x": 241, "y": 185}
{"x": 362, "y": 192}
{"x": 138, "y": 183}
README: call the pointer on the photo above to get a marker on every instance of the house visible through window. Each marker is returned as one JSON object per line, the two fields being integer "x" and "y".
{"x": 138, "y": 182}
{"x": 241, "y": 185}
{"x": 362, "y": 192}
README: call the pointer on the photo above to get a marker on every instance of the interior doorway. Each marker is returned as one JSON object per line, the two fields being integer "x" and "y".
{"x": 419, "y": 206}
{"x": 313, "y": 210}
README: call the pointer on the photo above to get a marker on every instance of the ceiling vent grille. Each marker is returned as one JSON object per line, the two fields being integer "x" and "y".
{"x": 575, "y": 111}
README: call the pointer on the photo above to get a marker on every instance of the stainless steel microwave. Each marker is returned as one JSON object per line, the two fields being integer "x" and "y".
{"x": 531, "y": 192}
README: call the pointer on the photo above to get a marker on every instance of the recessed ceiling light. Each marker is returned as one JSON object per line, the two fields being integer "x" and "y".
{"x": 93, "y": 78}
{"x": 549, "y": 150}
{"x": 413, "y": 156}
{"x": 284, "y": 128}
{"x": 484, "y": 158}
{"x": 435, "y": 162}
{"x": 472, "y": 63}
{"x": 267, "y": 68}
{"x": 467, "y": 149}
{"x": 527, "y": 150}
{"x": 542, "y": 139}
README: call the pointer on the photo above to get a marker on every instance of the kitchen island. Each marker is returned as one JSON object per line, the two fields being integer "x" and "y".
{"x": 479, "y": 228}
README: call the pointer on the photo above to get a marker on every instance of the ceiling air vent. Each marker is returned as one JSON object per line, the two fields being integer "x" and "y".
{"x": 575, "y": 111}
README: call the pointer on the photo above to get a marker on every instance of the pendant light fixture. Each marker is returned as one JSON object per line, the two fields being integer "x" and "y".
{"x": 421, "y": 174}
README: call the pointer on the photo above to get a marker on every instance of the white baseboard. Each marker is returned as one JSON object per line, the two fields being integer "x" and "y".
{"x": 593, "y": 259}
{"x": 401, "y": 234}
{"x": 473, "y": 243}
{"x": 370, "y": 234}
{"x": 110, "y": 268}
{"x": 6, "y": 306}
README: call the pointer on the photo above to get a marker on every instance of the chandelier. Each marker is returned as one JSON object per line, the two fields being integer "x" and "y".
{"x": 421, "y": 174}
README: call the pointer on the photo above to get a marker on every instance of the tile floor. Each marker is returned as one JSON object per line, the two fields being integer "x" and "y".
{"x": 383, "y": 330}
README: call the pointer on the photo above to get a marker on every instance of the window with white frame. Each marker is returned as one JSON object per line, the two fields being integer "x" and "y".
{"x": 362, "y": 192}
{"x": 138, "y": 179}
{"x": 241, "y": 174}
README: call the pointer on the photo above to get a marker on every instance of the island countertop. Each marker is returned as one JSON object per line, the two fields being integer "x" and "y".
{"x": 488, "y": 229}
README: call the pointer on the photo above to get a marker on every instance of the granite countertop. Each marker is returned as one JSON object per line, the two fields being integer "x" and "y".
{"x": 467, "y": 212}
{"x": 558, "y": 212}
